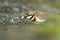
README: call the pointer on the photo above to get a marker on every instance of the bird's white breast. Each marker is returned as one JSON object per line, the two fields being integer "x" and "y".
{"x": 39, "y": 20}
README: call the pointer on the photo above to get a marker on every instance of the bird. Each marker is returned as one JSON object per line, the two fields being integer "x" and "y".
{"x": 31, "y": 16}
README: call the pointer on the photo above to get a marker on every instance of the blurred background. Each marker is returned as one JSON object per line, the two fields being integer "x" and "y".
{"x": 10, "y": 9}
